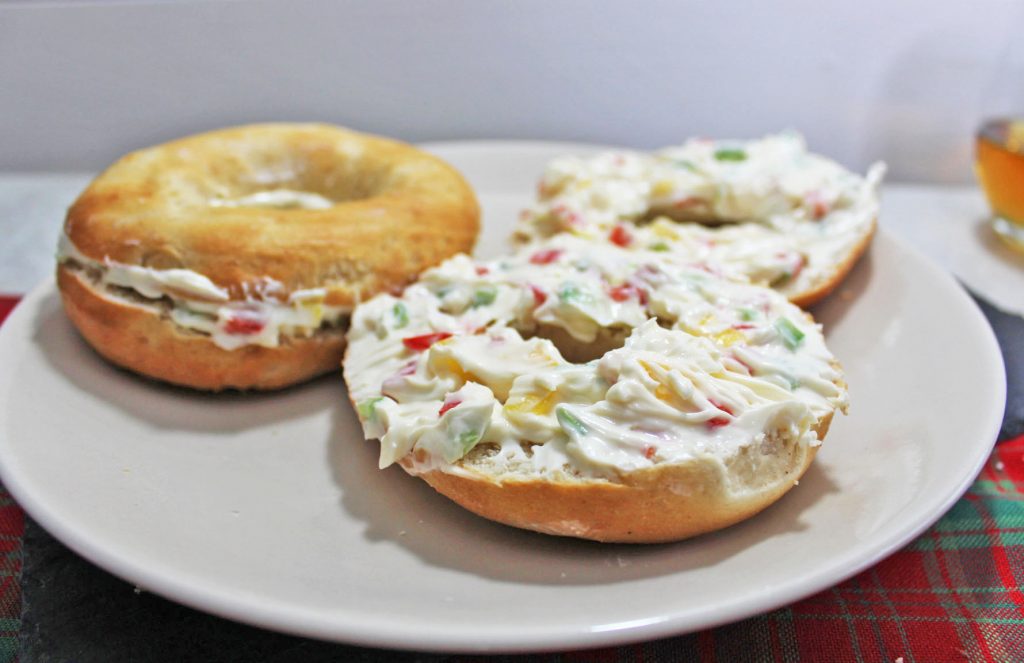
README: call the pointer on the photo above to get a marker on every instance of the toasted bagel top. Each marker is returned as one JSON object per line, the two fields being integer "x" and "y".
{"x": 298, "y": 206}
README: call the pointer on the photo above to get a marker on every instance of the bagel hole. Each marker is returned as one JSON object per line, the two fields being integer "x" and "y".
{"x": 581, "y": 352}
{"x": 277, "y": 199}
{"x": 309, "y": 175}
{"x": 699, "y": 215}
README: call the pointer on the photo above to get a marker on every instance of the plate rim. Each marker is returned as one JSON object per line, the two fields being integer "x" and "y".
{"x": 298, "y": 622}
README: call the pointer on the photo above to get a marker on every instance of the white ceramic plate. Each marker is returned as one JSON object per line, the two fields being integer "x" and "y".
{"x": 269, "y": 509}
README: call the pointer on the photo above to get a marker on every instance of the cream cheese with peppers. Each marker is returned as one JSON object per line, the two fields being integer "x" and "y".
{"x": 196, "y": 303}
{"x": 767, "y": 208}
{"x": 707, "y": 364}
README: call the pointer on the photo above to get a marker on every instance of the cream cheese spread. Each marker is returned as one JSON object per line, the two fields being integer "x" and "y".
{"x": 767, "y": 208}
{"x": 196, "y": 303}
{"x": 707, "y": 365}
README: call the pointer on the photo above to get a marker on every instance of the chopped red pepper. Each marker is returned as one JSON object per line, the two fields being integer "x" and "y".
{"x": 626, "y": 291}
{"x": 619, "y": 235}
{"x": 567, "y": 215}
{"x": 621, "y": 293}
{"x": 650, "y": 274}
{"x": 719, "y": 421}
{"x": 649, "y": 452}
{"x": 447, "y": 406}
{"x": 743, "y": 325}
{"x": 800, "y": 264}
{"x": 750, "y": 369}
{"x": 421, "y": 343}
{"x": 244, "y": 324}
{"x": 539, "y": 296}
{"x": 819, "y": 206}
{"x": 545, "y": 257}
{"x": 720, "y": 406}
{"x": 482, "y": 271}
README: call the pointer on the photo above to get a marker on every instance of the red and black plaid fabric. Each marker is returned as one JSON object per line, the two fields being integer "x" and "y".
{"x": 12, "y": 526}
{"x": 952, "y": 595}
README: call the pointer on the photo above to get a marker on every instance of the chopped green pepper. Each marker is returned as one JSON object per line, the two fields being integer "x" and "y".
{"x": 569, "y": 422}
{"x": 484, "y": 296}
{"x": 730, "y": 155}
{"x": 468, "y": 439}
{"x": 747, "y": 314}
{"x": 401, "y": 315}
{"x": 570, "y": 292}
{"x": 367, "y": 409}
{"x": 789, "y": 332}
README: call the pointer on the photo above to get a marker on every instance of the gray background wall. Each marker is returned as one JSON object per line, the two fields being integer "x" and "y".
{"x": 82, "y": 82}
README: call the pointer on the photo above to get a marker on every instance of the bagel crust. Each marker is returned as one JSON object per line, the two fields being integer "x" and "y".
{"x": 586, "y": 390}
{"x": 232, "y": 259}
{"x": 663, "y": 503}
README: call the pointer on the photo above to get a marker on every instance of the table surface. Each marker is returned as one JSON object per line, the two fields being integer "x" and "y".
{"x": 951, "y": 595}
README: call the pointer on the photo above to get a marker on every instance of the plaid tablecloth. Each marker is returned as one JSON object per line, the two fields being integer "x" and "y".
{"x": 12, "y": 526}
{"x": 952, "y": 595}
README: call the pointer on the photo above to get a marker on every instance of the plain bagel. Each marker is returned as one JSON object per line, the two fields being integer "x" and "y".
{"x": 692, "y": 401}
{"x": 232, "y": 259}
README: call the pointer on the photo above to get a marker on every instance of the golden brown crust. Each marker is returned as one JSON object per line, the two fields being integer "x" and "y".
{"x": 140, "y": 339}
{"x": 667, "y": 502}
{"x": 397, "y": 211}
{"x": 825, "y": 287}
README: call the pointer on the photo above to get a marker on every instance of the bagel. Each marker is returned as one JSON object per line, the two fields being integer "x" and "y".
{"x": 233, "y": 259}
{"x": 694, "y": 402}
{"x": 766, "y": 209}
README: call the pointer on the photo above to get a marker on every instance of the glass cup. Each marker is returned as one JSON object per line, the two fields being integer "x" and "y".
{"x": 999, "y": 142}
{"x": 1000, "y": 166}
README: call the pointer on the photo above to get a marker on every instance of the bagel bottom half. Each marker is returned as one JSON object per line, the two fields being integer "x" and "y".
{"x": 140, "y": 336}
{"x": 663, "y": 503}
{"x": 596, "y": 392}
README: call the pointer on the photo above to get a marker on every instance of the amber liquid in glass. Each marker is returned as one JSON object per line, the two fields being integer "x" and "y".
{"x": 1000, "y": 165}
